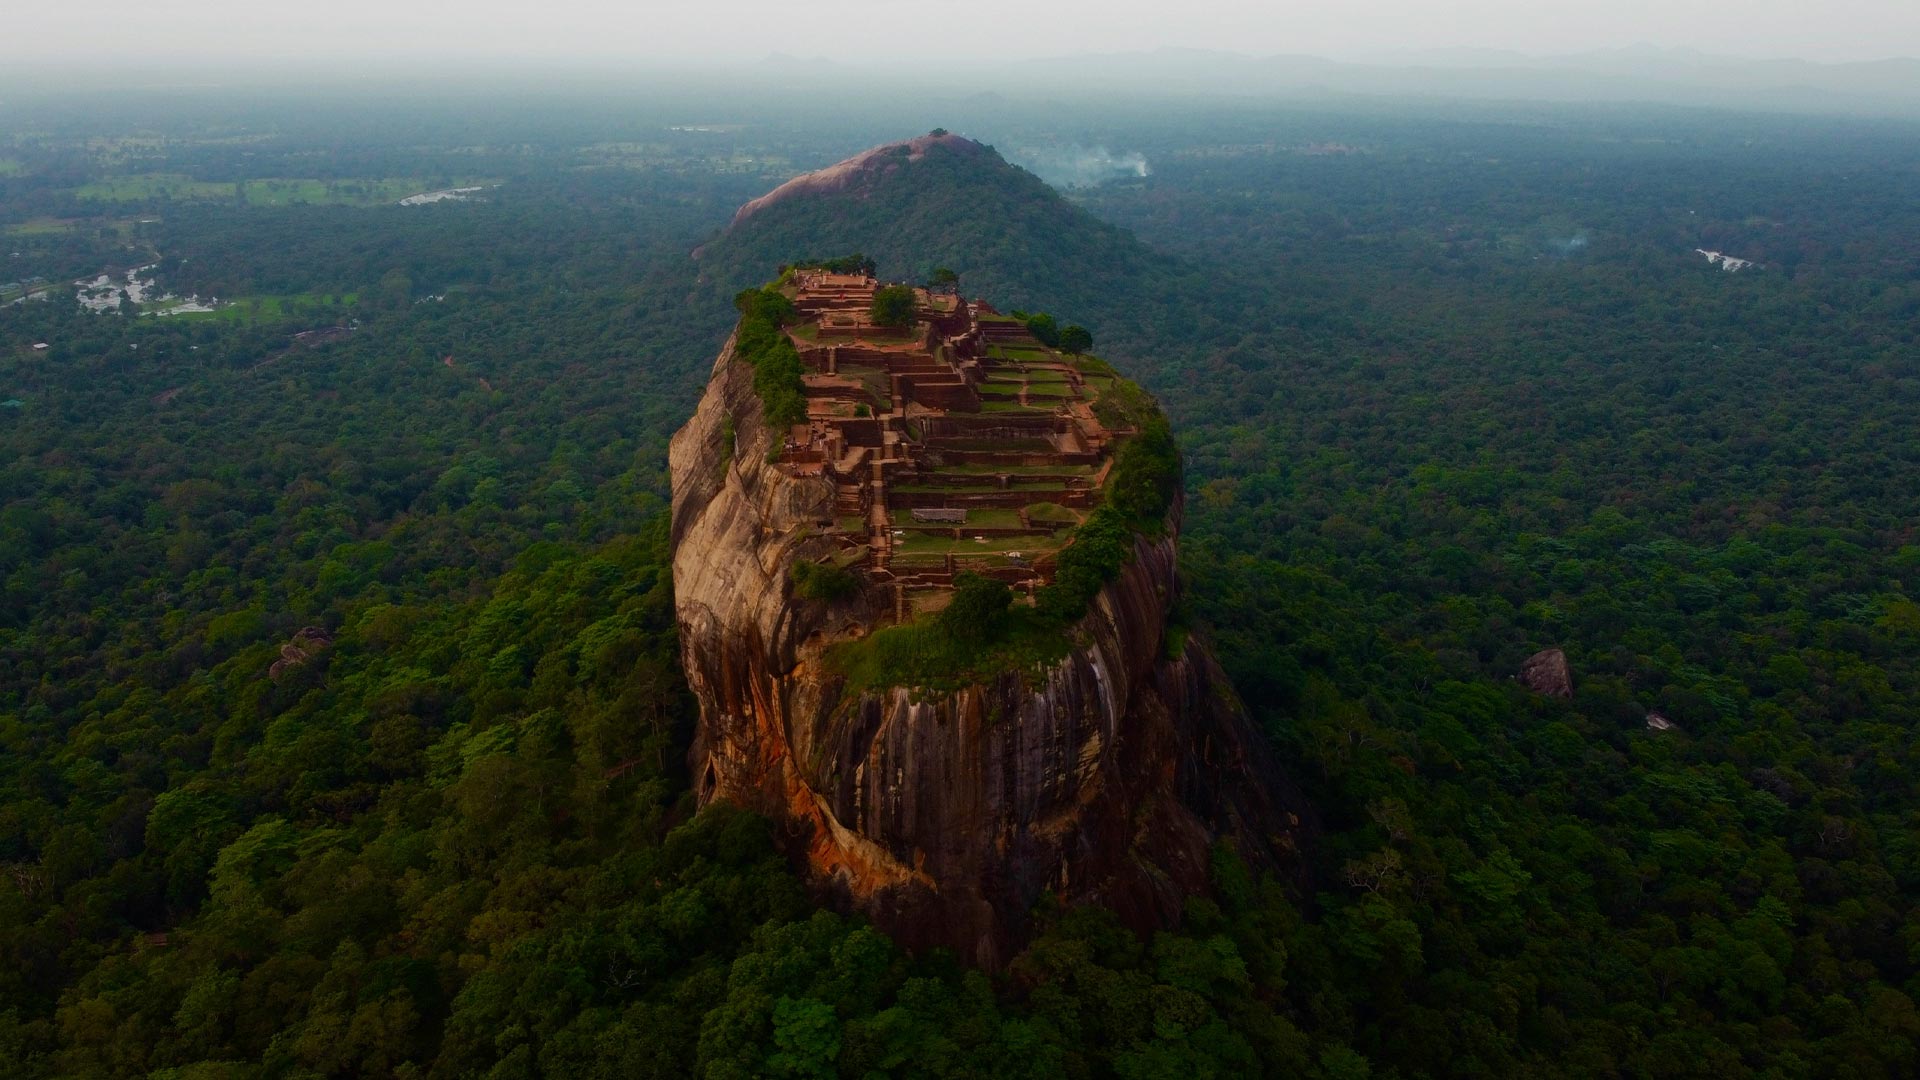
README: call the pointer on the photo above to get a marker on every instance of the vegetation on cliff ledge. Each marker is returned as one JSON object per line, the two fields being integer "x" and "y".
{"x": 776, "y": 364}
{"x": 823, "y": 581}
{"x": 995, "y": 635}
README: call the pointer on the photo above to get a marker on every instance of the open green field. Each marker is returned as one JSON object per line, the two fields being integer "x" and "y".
{"x": 257, "y": 192}
{"x": 153, "y": 186}
{"x": 253, "y": 308}
{"x": 317, "y": 192}
{"x": 40, "y": 226}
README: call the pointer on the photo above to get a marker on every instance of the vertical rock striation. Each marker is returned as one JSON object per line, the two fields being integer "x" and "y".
{"x": 944, "y": 816}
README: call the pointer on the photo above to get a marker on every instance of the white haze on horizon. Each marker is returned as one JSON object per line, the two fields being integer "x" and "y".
{"x": 1076, "y": 165}
{"x": 903, "y": 32}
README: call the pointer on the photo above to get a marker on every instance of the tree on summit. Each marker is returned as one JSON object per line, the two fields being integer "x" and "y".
{"x": 945, "y": 279}
{"x": 978, "y": 610}
{"x": 1045, "y": 328}
{"x": 893, "y": 305}
{"x": 1076, "y": 339}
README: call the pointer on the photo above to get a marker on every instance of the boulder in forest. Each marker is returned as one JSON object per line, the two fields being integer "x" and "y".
{"x": 305, "y": 644}
{"x": 1546, "y": 672}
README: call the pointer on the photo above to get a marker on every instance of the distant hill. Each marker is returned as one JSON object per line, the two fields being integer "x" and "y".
{"x": 943, "y": 200}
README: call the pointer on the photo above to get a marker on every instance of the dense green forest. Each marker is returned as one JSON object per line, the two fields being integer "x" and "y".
{"x": 340, "y": 729}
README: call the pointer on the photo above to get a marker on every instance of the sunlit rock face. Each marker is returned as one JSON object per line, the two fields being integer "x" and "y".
{"x": 945, "y": 816}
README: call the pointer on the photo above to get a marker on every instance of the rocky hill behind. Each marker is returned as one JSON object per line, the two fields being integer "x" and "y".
{"x": 941, "y": 200}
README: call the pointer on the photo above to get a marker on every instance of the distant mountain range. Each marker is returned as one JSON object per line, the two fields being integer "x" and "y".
{"x": 1632, "y": 74}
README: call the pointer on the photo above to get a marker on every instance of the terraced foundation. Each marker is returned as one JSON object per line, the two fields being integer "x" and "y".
{"x": 961, "y": 444}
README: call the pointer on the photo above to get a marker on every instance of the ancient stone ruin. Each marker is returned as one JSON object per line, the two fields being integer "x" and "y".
{"x": 962, "y": 445}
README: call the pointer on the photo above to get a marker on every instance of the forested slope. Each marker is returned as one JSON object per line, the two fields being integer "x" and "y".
{"x": 1426, "y": 432}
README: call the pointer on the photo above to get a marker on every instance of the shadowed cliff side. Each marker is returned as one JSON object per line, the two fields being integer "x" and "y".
{"x": 946, "y": 815}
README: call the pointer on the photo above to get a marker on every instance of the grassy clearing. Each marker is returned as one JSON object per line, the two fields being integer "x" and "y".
{"x": 268, "y": 307}
{"x": 1028, "y": 353}
{"x": 1049, "y": 511}
{"x": 330, "y": 192}
{"x": 923, "y": 654}
{"x": 263, "y": 308}
{"x": 153, "y": 186}
{"x": 992, "y": 517}
{"x": 41, "y": 226}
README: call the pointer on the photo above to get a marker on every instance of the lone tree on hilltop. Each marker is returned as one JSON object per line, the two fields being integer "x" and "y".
{"x": 893, "y": 306}
{"x": 944, "y": 278}
{"x": 1076, "y": 339}
{"x": 1045, "y": 328}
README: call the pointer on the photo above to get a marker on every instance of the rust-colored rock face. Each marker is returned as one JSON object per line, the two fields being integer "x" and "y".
{"x": 862, "y": 168}
{"x": 945, "y": 816}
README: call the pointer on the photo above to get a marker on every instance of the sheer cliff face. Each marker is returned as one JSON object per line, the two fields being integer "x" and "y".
{"x": 946, "y": 816}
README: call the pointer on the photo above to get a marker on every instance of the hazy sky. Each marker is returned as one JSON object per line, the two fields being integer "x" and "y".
{"x": 911, "y": 31}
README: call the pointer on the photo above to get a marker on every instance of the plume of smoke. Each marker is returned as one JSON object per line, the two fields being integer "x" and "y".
{"x": 1079, "y": 166}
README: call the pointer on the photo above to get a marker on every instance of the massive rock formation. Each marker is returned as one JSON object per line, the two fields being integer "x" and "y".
{"x": 945, "y": 816}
